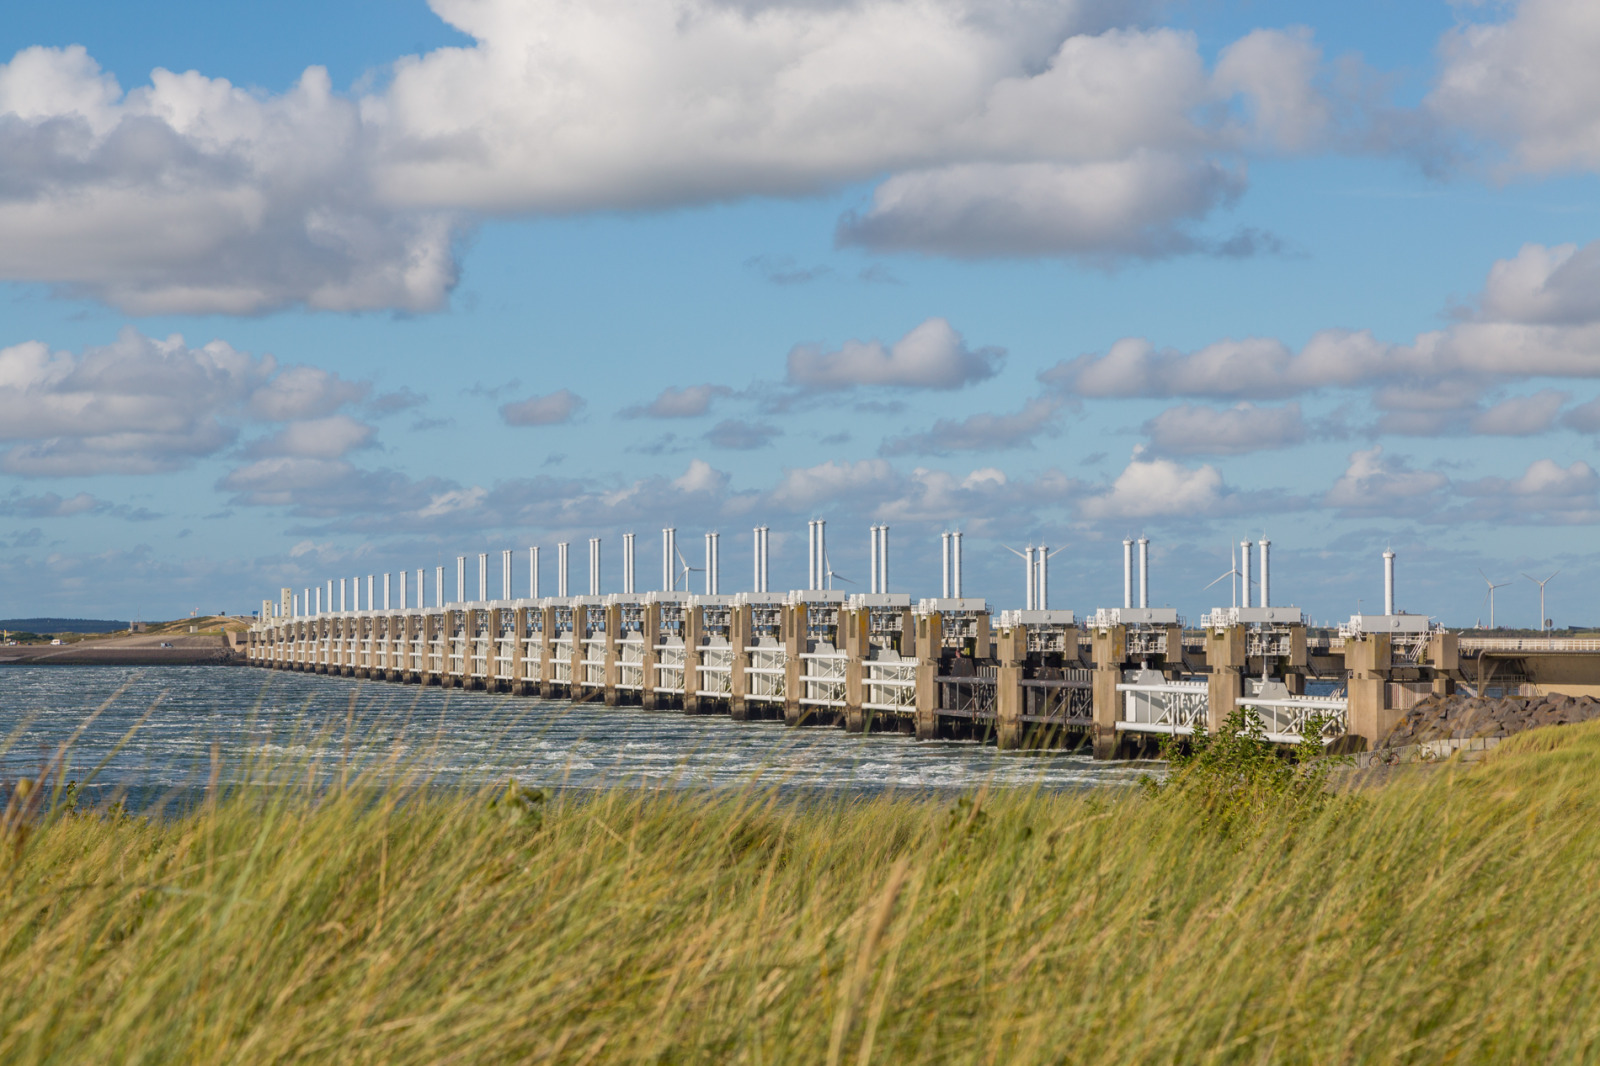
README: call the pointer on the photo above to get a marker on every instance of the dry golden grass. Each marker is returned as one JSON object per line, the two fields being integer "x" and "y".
{"x": 1447, "y": 918}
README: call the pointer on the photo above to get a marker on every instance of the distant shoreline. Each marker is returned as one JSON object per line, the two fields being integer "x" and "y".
{"x": 135, "y": 650}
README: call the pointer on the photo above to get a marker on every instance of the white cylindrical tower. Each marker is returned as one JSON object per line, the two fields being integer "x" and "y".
{"x": 766, "y": 559}
{"x": 533, "y": 573}
{"x": 386, "y": 592}
{"x": 1388, "y": 584}
{"x": 372, "y": 584}
{"x": 822, "y": 553}
{"x": 329, "y": 600}
{"x": 438, "y": 586}
{"x": 594, "y": 566}
{"x": 404, "y": 604}
{"x": 629, "y": 563}
{"x": 342, "y": 600}
{"x": 955, "y": 564}
{"x": 1266, "y": 573}
{"x": 1144, "y": 571}
{"x": 561, "y": 569}
{"x": 812, "y": 578}
{"x": 876, "y": 553}
{"x": 1127, "y": 572}
{"x": 461, "y": 579}
{"x": 1029, "y": 578}
{"x": 883, "y": 559}
{"x": 421, "y": 594}
{"x": 944, "y": 564}
{"x": 1244, "y": 569}
{"x": 316, "y": 599}
{"x": 666, "y": 560}
{"x": 483, "y": 576}
{"x": 505, "y": 574}
{"x": 1042, "y": 597}
{"x": 713, "y": 563}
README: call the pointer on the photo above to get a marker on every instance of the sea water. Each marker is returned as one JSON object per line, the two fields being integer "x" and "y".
{"x": 162, "y": 731}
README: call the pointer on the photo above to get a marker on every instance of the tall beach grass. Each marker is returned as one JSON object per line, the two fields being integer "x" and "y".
{"x": 1452, "y": 915}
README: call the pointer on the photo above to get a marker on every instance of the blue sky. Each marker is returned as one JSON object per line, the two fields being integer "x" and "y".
{"x": 502, "y": 272}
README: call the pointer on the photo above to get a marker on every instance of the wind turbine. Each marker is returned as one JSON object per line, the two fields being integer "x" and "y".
{"x": 1541, "y": 585}
{"x": 1232, "y": 571}
{"x": 828, "y": 575}
{"x": 686, "y": 570}
{"x": 1492, "y": 587}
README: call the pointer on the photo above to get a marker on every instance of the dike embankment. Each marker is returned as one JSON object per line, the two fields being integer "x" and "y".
{"x": 139, "y": 649}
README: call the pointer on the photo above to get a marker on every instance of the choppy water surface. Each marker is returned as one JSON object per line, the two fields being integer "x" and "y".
{"x": 193, "y": 714}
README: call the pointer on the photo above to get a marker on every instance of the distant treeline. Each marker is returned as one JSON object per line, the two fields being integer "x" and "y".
{"x": 63, "y": 625}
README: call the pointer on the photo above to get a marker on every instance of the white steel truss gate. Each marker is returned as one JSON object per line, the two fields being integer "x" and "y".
{"x": 669, "y": 666}
{"x": 889, "y": 683}
{"x": 822, "y": 676}
{"x": 716, "y": 669}
{"x": 591, "y": 626}
{"x": 764, "y": 680}
{"x": 630, "y": 662}
{"x": 1151, "y": 704}
{"x": 1286, "y": 718}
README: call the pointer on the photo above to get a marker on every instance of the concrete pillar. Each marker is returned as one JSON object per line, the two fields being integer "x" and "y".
{"x": 1444, "y": 656}
{"x": 856, "y": 640}
{"x": 652, "y": 637}
{"x": 613, "y": 670}
{"x": 1110, "y": 652}
{"x": 927, "y": 696}
{"x": 1368, "y": 660}
{"x": 1225, "y": 655}
{"x": 740, "y": 625}
{"x": 519, "y": 659}
{"x": 409, "y": 634}
{"x": 1008, "y": 705}
{"x": 794, "y": 645}
{"x": 694, "y": 632}
{"x": 580, "y": 631}
{"x": 1011, "y": 649}
{"x": 547, "y": 645}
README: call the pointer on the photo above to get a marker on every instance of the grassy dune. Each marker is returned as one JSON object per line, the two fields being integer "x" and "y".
{"x": 1453, "y": 915}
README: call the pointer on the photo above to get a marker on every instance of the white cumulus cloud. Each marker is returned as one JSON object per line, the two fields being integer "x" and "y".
{"x": 931, "y": 356}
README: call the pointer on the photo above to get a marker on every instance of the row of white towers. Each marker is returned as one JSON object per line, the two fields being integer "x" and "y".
{"x": 675, "y": 572}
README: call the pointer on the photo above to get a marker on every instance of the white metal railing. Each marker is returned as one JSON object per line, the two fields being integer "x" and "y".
{"x": 630, "y": 663}
{"x": 561, "y": 659}
{"x": 436, "y": 656}
{"x": 716, "y": 670}
{"x": 1526, "y": 644}
{"x": 594, "y": 662}
{"x": 1174, "y": 707}
{"x": 480, "y": 657}
{"x": 822, "y": 678}
{"x": 1285, "y": 718}
{"x": 532, "y": 652}
{"x": 890, "y": 685}
{"x": 505, "y": 658}
{"x": 669, "y": 666}
{"x": 764, "y": 677}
